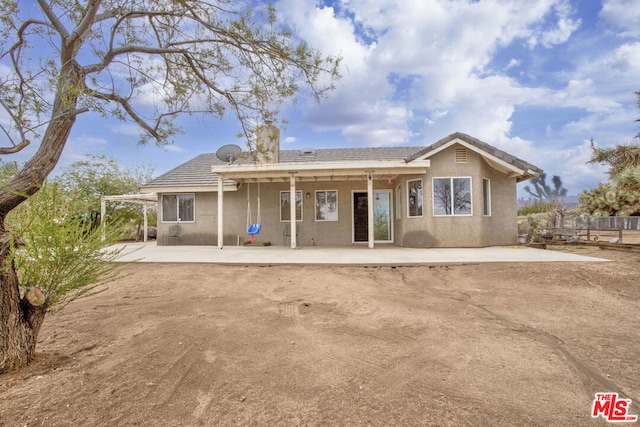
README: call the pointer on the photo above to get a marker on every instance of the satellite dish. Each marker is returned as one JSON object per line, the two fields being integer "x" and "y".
{"x": 228, "y": 153}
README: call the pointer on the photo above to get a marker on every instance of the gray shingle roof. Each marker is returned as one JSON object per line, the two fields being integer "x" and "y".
{"x": 490, "y": 149}
{"x": 194, "y": 173}
{"x": 348, "y": 154}
{"x": 197, "y": 171}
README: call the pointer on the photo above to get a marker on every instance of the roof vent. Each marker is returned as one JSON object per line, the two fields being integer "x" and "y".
{"x": 307, "y": 152}
{"x": 461, "y": 155}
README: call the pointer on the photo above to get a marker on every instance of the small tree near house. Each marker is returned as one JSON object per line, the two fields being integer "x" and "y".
{"x": 621, "y": 194}
{"x": 65, "y": 59}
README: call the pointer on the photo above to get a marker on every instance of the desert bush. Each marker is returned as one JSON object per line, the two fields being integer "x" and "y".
{"x": 536, "y": 207}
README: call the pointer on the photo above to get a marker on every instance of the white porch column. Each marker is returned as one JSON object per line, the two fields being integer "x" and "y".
{"x": 370, "y": 208}
{"x": 220, "y": 210}
{"x": 292, "y": 207}
{"x": 145, "y": 222}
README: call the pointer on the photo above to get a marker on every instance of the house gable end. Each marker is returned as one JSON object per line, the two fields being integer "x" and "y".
{"x": 496, "y": 158}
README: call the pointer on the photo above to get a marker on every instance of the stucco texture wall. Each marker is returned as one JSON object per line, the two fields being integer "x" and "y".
{"x": 428, "y": 230}
{"x": 475, "y": 230}
{"x": 324, "y": 233}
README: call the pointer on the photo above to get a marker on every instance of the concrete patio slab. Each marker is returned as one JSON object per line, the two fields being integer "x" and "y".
{"x": 355, "y": 255}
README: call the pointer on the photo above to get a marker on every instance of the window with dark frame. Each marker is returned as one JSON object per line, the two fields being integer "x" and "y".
{"x": 414, "y": 198}
{"x": 452, "y": 196}
{"x": 327, "y": 205}
{"x": 285, "y": 206}
{"x": 178, "y": 207}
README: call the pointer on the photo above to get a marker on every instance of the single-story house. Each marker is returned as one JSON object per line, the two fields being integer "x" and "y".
{"x": 457, "y": 192}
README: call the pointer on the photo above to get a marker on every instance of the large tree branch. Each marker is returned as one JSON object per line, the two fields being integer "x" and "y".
{"x": 114, "y": 53}
{"x": 153, "y": 131}
{"x": 15, "y": 148}
{"x": 80, "y": 32}
{"x": 16, "y": 121}
{"x": 57, "y": 24}
{"x": 20, "y": 32}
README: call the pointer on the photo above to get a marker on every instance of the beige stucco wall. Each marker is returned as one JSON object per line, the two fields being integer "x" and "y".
{"x": 477, "y": 230}
{"x": 326, "y": 233}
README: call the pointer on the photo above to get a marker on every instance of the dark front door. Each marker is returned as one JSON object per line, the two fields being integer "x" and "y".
{"x": 360, "y": 217}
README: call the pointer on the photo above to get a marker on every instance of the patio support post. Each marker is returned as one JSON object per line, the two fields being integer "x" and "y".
{"x": 145, "y": 222}
{"x": 292, "y": 207}
{"x": 220, "y": 210}
{"x": 370, "y": 202}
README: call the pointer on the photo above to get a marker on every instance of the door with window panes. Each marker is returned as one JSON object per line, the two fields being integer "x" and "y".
{"x": 382, "y": 214}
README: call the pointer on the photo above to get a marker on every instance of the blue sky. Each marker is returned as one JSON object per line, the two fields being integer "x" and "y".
{"x": 536, "y": 78}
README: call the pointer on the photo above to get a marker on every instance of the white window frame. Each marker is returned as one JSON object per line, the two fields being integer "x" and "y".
{"x": 486, "y": 196}
{"x": 419, "y": 196}
{"x": 451, "y": 178}
{"x": 298, "y": 192}
{"x": 178, "y": 196}
{"x": 334, "y": 215}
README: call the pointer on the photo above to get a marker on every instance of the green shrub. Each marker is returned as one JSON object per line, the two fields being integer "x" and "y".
{"x": 537, "y": 207}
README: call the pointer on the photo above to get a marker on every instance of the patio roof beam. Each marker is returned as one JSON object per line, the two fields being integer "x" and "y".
{"x": 321, "y": 171}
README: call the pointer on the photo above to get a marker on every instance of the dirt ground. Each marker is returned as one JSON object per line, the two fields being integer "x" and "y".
{"x": 208, "y": 345}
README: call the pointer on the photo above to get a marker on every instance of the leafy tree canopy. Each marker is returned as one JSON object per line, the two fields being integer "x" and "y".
{"x": 87, "y": 180}
{"x": 621, "y": 195}
{"x": 148, "y": 62}
{"x": 143, "y": 61}
{"x": 58, "y": 254}
{"x": 623, "y": 161}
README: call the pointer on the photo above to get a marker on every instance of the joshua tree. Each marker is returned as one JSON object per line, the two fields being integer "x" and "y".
{"x": 544, "y": 192}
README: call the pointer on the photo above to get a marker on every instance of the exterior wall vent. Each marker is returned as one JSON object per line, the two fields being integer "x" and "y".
{"x": 307, "y": 152}
{"x": 461, "y": 155}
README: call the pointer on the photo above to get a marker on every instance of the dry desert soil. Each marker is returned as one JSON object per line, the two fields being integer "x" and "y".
{"x": 467, "y": 345}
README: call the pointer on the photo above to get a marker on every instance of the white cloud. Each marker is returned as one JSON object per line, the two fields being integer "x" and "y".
{"x": 560, "y": 30}
{"x": 624, "y": 14}
{"x": 437, "y": 48}
{"x": 512, "y": 64}
{"x": 322, "y": 29}
{"x": 128, "y": 129}
{"x": 418, "y": 71}
{"x": 173, "y": 148}
{"x": 626, "y": 59}
{"x": 79, "y": 147}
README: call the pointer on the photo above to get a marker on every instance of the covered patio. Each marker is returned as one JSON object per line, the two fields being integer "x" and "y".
{"x": 315, "y": 172}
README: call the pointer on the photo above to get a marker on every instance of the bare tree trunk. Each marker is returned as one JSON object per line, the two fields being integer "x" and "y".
{"x": 22, "y": 315}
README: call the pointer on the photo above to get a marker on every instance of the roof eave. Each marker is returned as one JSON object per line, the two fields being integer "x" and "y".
{"x": 187, "y": 188}
{"x": 320, "y": 169}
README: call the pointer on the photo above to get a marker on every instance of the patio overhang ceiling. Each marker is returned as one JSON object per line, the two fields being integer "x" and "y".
{"x": 333, "y": 171}
{"x": 143, "y": 198}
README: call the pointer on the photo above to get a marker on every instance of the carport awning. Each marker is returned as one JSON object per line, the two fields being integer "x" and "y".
{"x": 334, "y": 171}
